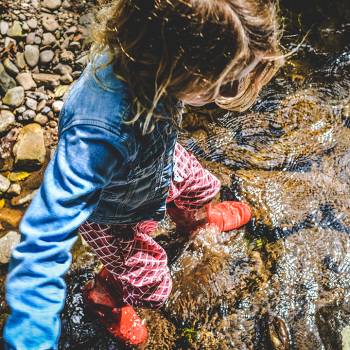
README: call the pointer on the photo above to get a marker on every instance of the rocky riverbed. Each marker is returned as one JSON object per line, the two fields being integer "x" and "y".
{"x": 286, "y": 271}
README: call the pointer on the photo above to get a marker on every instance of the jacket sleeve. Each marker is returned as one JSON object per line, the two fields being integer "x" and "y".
{"x": 83, "y": 164}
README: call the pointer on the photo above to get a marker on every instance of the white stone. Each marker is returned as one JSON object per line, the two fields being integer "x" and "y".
{"x": 4, "y": 184}
{"x": 57, "y": 106}
{"x": 31, "y": 103}
{"x": 14, "y": 189}
{"x": 7, "y": 243}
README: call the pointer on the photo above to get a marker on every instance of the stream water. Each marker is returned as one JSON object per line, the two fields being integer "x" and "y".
{"x": 288, "y": 156}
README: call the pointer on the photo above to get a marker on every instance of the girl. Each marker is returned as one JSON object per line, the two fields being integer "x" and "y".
{"x": 118, "y": 164}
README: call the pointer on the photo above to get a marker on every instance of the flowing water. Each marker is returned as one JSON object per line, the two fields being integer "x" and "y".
{"x": 288, "y": 157}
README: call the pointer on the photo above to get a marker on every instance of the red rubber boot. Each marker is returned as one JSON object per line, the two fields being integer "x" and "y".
{"x": 225, "y": 216}
{"x": 103, "y": 295}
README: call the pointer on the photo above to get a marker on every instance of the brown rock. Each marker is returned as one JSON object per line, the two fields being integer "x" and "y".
{"x": 10, "y": 218}
{"x": 30, "y": 148}
{"x": 26, "y": 81}
{"x": 46, "y": 79}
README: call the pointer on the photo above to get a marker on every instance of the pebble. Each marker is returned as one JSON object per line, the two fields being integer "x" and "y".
{"x": 26, "y": 81}
{"x": 50, "y": 114}
{"x": 4, "y": 26}
{"x": 52, "y": 4}
{"x": 20, "y": 60}
{"x": 32, "y": 23}
{"x": 7, "y": 243}
{"x": 57, "y": 106}
{"x": 66, "y": 4}
{"x": 14, "y": 97}
{"x": 31, "y": 54}
{"x": 30, "y": 38}
{"x": 41, "y": 105}
{"x": 25, "y": 26}
{"x": 30, "y": 147}
{"x": 46, "y": 110}
{"x": 4, "y": 184}
{"x": 37, "y": 40}
{"x": 46, "y": 56}
{"x": 48, "y": 39}
{"x": 10, "y": 67}
{"x": 66, "y": 79}
{"x": 50, "y": 24}
{"x": 63, "y": 69}
{"x": 31, "y": 103}
{"x": 8, "y": 40}
{"x": 41, "y": 119}
{"x": 46, "y": 79}
{"x": 35, "y": 4}
{"x": 53, "y": 124}
{"x": 28, "y": 114}
{"x": 67, "y": 56}
{"x": 65, "y": 44}
{"x": 14, "y": 189}
{"x": 15, "y": 30}
{"x": 22, "y": 17}
{"x": 6, "y": 81}
{"x": 20, "y": 110}
{"x": 7, "y": 119}
{"x": 71, "y": 30}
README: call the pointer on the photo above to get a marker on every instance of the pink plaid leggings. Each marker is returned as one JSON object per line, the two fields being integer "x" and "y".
{"x": 129, "y": 252}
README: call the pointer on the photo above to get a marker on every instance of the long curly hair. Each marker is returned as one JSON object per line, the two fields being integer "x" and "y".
{"x": 169, "y": 50}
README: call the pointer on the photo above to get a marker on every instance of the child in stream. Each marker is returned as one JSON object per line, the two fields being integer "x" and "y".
{"x": 118, "y": 168}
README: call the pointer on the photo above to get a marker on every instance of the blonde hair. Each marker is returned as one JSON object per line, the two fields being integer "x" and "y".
{"x": 167, "y": 50}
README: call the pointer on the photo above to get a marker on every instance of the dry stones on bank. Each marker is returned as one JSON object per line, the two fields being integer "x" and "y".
{"x": 7, "y": 243}
{"x": 31, "y": 54}
{"x": 7, "y": 119}
{"x": 14, "y": 97}
{"x": 30, "y": 148}
{"x": 26, "y": 81}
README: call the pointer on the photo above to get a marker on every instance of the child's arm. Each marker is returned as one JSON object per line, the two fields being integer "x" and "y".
{"x": 86, "y": 159}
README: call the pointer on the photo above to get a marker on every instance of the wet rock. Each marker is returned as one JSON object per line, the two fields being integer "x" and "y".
{"x": 14, "y": 189}
{"x": 20, "y": 61}
{"x": 67, "y": 56}
{"x": 30, "y": 148}
{"x": 41, "y": 119}
{"x": 32, "y": 23}
{"x": 31, "y": 54}
{"x": 57, "y": 106}
{"x": 10, "y": 67}
{"x": 4, "y": 26}
{"x": 330, "y": 322}
{"x": 4, "y": 184}
{"x": 48, "y": 39}
{"x": 31, "y": 103}
{"x": 277, "y": 337}
{"x": 23, "y": 198}
{"x": 30, "y": 38}
{"x": 52, "y": 4}
{"x": 41, "y": 105}
{"x": 10, "y": 218}
{"x": 46, "y": 79}
{"x": 7, "y": 243}
{"x": 7, "y": 119}
{"x": 46, "y": 56}
{"x": 50, "y": 24}
{"x": 6, "y": 82}
{"x": 27, "y": 115}
{"x": 65, "y": 44}
{"x": 26, "y": 81}
{"x": 15, "y": 30}
{"x": 14, "y": 97}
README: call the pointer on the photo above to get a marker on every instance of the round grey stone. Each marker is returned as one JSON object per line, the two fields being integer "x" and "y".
{"x": 37, "y": 40}
{"x": 48, "y": 39}
{"x": 31, "y": 54}
{"x": 30, "y": 38}
{"x": 46, "y": 56}
{"x": 14, "y": 97}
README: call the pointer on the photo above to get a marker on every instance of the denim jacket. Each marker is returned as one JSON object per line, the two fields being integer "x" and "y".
{"x": 103, "y": 170}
